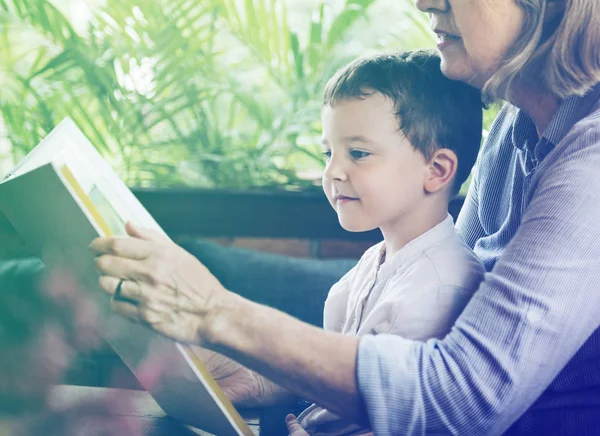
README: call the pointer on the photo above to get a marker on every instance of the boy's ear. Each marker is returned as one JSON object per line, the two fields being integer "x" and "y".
{"x": 442, "y": 169}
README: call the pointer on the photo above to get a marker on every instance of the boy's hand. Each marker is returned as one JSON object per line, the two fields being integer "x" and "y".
{"x": 294, "y": 426}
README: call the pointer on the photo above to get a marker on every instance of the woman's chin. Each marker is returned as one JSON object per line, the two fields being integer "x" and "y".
{"x": 458, "y": 69}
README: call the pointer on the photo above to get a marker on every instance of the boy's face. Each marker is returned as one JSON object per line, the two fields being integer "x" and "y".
{"x": 374, "y": 176}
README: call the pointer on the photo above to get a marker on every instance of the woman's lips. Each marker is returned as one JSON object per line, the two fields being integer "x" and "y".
{"x": 446, "y": 39}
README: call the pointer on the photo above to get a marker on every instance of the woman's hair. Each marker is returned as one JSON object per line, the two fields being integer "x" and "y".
{"x": 562, "y": 54}
{"x": 433, "y": 111}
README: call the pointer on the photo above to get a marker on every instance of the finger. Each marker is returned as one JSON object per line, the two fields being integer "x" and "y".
{"x": 121, "y": 267}
{"x": 122, "y": 246}
{"x": 159, "y": 318}
{"x": 144, "y": 233}
{"x": 158, "y": 298}
{"x": 109, "y": 284}
{"x": 128, "y": 310}
{"x": 155, "y": 318}
{"x": 294, "y": 427}
{"x": 140, "y": 293}
{"x": 128, "y": 289}
{"x": 165, "y": 324}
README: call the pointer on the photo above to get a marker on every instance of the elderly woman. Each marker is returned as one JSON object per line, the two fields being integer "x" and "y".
{"x": 524, "y": 356}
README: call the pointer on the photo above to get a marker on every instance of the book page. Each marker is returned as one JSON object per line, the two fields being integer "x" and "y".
{"x": 67, "y": 146}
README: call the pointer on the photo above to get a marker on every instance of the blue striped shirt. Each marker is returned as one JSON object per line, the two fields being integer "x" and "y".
{"x": 524, "y": 356}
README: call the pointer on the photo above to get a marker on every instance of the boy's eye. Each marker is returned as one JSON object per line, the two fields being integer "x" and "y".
{"x": 327, "y": 154}
{"x": 358, "y": 154}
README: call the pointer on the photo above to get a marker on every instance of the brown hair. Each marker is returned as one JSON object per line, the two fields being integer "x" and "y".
{"x": 563, "y": 53}
{"x": 433, "y": 111}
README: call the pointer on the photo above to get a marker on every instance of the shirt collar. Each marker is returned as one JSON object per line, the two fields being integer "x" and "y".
{"x": 570, "y": 110}
{"x": 523, "y": 131}
{"x": 415, "y": 247}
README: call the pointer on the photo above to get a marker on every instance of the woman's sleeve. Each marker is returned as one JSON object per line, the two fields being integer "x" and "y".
{"x": 531, "y": 314}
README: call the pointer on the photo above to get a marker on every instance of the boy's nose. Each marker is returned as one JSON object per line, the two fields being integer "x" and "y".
{"x": 334, "y": 170}
{"x": 432, "y": 6}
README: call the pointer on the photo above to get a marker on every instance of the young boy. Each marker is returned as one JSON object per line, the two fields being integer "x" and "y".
{"x": 399, "y": 139}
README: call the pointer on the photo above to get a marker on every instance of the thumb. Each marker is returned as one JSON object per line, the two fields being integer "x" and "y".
{"x": 294, "y": 426}
{"x": 143, "y": 233}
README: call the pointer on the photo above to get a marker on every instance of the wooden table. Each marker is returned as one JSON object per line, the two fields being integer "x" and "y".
{"x": 139, "y": 409}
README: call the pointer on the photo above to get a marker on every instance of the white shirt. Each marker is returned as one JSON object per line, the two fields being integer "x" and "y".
{"x": 416, "y": 293}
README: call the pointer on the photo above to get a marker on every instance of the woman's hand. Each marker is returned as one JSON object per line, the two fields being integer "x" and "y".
{"x": 171, "y": 291}
{"x": 243, "y": 387}
{"x": 158, "y": 283}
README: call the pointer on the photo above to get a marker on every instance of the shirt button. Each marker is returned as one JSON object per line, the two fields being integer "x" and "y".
{"x": 533, "y": 316}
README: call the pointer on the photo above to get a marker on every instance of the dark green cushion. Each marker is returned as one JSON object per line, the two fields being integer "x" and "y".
{"x": 294, "y": 285}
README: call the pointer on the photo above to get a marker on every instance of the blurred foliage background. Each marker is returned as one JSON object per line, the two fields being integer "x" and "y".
{"x": 203, "y": 93}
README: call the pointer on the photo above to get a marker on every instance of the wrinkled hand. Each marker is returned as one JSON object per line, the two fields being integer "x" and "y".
{"x": 243, "y": 387}
{"x": 294, "y": 426}
{"x": 163, "y": 285}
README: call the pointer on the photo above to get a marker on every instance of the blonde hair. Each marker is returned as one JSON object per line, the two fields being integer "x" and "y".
{"x": 563, "y": 54}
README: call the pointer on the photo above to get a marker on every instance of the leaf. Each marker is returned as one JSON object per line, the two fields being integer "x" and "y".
{"x": 228, "y": 84}
{"x": 353, "y": 11}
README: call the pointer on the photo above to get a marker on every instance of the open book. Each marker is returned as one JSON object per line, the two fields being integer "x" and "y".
{"x": 59, "y": 198}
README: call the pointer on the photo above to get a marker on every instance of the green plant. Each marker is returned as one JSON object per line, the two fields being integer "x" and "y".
{"x": 212, "y": 93}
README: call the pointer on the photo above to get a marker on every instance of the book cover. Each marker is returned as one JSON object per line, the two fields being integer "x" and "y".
{"x": 60, "y": 197}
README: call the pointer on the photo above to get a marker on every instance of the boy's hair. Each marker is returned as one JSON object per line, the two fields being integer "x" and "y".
{"x": 433, "y": 111}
